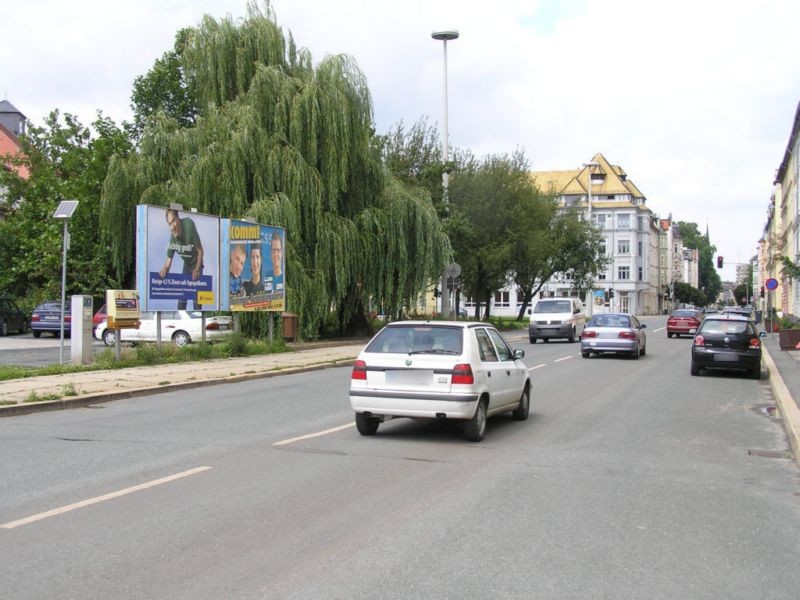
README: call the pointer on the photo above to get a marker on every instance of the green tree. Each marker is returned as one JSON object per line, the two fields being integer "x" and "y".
{"x": 290, "y": 145}
{"x": 710, "y": 283}
{"x": 66, "y": 161}
{"x": 165, "y": 89}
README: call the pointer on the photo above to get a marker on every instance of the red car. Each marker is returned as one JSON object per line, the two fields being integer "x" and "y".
{"x": 99, "y": 316}
{"x": 684, "y": 321}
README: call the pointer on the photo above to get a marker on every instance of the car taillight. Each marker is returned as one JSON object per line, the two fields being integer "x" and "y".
{"x": 627, "y": 335}
{"x": 755, "y": 343}
{"x": 34, "y": 317}
{"x": 588, "y": 333}
{"x": 462, "y": 374}
{"x": 699, "y": 340}
{"x": 694, "y": 322}
{"x": 212, "y": 327}
{"x": 67, "y": 318}
{"x": 359, "y": 370}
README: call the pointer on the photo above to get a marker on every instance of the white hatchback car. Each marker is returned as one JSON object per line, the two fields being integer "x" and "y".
{"x": 179, "y": 326}
{"x": 439, "y": 370}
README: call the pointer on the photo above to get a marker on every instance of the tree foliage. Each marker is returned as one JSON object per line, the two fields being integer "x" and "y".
{"x": 709, "y": 280}
{"x": 288, "y": 144}
{"x": 66, "y": 161}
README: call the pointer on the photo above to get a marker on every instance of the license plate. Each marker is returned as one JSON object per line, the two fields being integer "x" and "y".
{"x": 421, "y": 377}
{"x": 726, "y": 358}
{"x": 223, "y": 327}
{"x": 692, "y": 330}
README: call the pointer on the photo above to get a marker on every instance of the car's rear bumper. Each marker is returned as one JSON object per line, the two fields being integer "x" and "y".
{"x": 600, "y": 345}
{"x": 414, "y": 404}
{"x": 682, "y": 330}
{"x": 712, "y": 358}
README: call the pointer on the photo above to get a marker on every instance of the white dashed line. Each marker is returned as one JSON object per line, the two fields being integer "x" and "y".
{"x": 565, "y": 358}
{"x": 537, "y": 367}
{"x": 313, "y": 435}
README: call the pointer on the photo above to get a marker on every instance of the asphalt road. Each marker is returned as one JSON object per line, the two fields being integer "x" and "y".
{"x": 27, "y": 351}
{"x": 631, "y": 479}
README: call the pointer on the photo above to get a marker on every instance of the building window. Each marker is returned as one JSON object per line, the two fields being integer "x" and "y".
{"x": 623, "y": 273}
{"x": 623, "y": 246}
{"x": 600, "y": 221}
{"x": 603, "y": 248}
{"x": 468, "y": 301}
{"x": 624, "y": 221}
{"x": 639, "y": 246}
{"x": 601, "y": 276}
{"x": 502, "y": 299}
{"x": 640, "y": 273}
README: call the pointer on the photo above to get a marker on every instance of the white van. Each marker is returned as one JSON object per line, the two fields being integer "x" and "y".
{"x": 556, "y": 318}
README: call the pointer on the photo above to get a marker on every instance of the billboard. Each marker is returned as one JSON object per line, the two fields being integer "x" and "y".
{"x": 177, "y": 259}
{"x": 255, "y": 276}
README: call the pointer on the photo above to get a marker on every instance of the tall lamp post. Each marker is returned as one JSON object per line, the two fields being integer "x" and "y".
{"x": 444, "y": 37}
{"x": 590, "y": 293}
{"x": 64, "y": 212}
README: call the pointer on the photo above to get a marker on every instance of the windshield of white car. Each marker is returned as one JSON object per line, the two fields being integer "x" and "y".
{"x": 553, "y": 306}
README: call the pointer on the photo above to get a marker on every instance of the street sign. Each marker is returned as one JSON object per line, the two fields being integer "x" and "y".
{"x": 772, "y": 284}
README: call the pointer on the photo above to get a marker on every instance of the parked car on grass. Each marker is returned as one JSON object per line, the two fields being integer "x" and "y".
{"x": 614, "y": 332}
{"x": 11, "y": 317}
{"x": 181, "y": 327}
{"x": 46, "y": 318}
{"x": 458, "y": 370}
{"x": 728, "y": 342}
{"x": 684, "y": 321}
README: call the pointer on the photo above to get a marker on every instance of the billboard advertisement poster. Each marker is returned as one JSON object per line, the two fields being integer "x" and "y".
{"x": 255, "y": 278}
{"x": 177, "y": 259}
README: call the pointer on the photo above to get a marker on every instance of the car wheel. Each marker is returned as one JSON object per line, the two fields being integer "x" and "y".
{"x": 366, "y": 425}
{"x": 37, "y": 334}
{"x": 694, "y": 369}
{"x": 669, "y": 335}
{"x": 644, "y": 349}
{"x": 532, "y": 339}
{"x": 571, "y": 338}
{"x": 636, "y": 354}
{"x": 109, "y": 337}
{"x": 756, "y": 372}
{"x": 3, "y": 329}
{"x": 585, "y": 354}
{"x": 521, "y": 413}
{"x": 545, "y": 340}
{"x": 181, "y": 338}
{"x": 476, "y": 426}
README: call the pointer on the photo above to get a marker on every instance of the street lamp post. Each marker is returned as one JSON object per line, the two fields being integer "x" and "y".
{"x": 64, "y": 212}
{"x": 590, "y": 292}
{"x": 444, "y": 37}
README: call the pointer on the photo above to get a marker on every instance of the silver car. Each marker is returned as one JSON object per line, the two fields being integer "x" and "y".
{"x": 614, "y": 332}
{"x": 439, "y": 370}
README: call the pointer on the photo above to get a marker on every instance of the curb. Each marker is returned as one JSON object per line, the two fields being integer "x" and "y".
{"x": 786, "y": 404}
{"x": 103, "y": 397}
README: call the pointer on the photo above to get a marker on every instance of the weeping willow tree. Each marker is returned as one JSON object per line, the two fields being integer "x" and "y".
{"x": 288, "y": 144}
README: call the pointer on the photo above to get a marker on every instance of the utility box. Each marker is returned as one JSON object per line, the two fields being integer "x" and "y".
{"x": 81, "y": 330}
{"x": 289, "y": 326}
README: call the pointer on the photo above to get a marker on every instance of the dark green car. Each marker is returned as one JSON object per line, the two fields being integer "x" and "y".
{"x": 11, "y": 317}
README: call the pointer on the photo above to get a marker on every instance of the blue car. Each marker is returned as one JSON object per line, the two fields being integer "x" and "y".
{"x": 47, "y": 318}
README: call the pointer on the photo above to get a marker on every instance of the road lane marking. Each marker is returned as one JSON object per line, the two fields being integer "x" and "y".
{"x": 537, "y": 367}
{"x": 565, "y": 358}
{"x": 660, "y": 329}
{"x": 313, "y": 435}
{"x": 103, "y": 498}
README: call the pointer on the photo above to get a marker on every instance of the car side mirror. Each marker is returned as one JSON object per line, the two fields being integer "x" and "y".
{"x": 529, "y": 311}
{"x": 519, "y": 354}
{"x": 762, "y": 334}
{"x": 644, "y": 325}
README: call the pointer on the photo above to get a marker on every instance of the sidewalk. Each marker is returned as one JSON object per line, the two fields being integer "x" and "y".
{"x": 50, "y": 392}
{"x": 784, "y": 379}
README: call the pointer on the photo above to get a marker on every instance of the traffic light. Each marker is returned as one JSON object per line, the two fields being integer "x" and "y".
{"x": 611, "y": 293}
{"x": 719, "y": 262}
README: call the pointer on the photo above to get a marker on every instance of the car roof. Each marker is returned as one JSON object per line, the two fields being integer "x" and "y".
{"x": 438, "y": 324}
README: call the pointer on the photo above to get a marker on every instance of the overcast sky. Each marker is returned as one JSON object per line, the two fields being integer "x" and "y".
{"x": 695, "y": 100}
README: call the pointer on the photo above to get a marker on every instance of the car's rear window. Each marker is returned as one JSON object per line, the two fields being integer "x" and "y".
{"x": 725, "y": 327}
{"x": 684, "y": 313}
{"x": 553, "y": 306}
{"x": 610, "y": 321}
{"x": 418, "y": 339}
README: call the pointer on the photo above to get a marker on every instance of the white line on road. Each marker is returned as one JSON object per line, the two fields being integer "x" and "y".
{"x": 313, "y": 435}
{"x": 565, "y": 358}
{"x": 537, "y": 367}
{"x": 98, "y": 499}
{"x": 659, "y": 329}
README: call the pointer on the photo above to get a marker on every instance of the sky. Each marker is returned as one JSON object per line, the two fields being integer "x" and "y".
{"x": 694, "y": 99}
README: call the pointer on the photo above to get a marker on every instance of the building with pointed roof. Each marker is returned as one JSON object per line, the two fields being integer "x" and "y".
{"x": 12, "y": 125}
{"x": 633, "y": 281}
